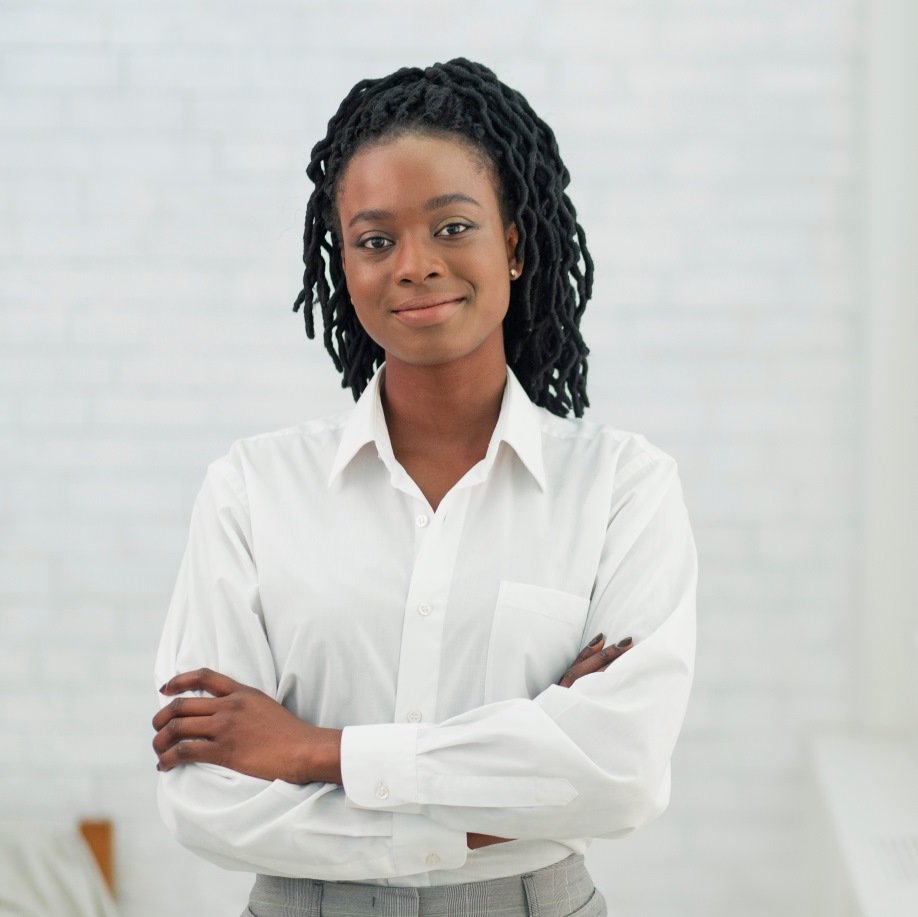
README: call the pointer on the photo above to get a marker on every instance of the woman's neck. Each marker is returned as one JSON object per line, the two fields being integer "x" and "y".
{"x": 432, "y": 409}
{"x": 440, "y": 421}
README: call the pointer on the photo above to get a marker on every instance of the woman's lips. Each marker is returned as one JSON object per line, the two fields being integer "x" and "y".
{"x": 427, "y": 311}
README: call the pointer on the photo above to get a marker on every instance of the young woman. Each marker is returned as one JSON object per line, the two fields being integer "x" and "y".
{"x": 380, "y": 700}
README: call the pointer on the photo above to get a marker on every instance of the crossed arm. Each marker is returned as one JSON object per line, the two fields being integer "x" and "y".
{"x": 602, "y": 746}
{"x": 242, "y": 728}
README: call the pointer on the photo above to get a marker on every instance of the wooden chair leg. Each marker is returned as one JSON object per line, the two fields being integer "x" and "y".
{"x": 98, "y": 835}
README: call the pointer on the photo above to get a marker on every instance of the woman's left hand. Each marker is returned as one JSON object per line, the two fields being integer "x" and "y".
{"x": 244, "y": 729}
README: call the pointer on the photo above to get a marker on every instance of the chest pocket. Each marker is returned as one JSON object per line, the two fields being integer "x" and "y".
{"x": 535, "y": 636}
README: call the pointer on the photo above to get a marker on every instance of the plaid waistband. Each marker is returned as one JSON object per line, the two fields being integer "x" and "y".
{"x": 552, "y": 891}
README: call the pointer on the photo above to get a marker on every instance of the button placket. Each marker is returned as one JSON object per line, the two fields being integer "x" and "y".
{"x": 421, "y": 650}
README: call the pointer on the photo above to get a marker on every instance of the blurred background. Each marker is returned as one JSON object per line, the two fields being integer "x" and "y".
{"x": 745, "y": 171}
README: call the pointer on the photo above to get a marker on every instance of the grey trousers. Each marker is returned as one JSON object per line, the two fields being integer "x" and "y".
{"x": 563, "y": 889}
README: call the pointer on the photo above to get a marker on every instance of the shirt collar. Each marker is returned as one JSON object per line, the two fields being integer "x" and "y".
{"x": 518, "y": 425}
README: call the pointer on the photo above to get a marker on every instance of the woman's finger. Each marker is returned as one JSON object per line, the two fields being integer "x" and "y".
{"x": 611, "y": 653}
{"x": 592, "y": 647}
{"x": 596, "y": 662}
{"x": 584, "y": 667}
{"x": 588, "y": 652}
{"x": 200, "y": 680}
{"x": 181, "y": 729}
{"x": 189, "y": 751}
{"x": 184, "y": 706}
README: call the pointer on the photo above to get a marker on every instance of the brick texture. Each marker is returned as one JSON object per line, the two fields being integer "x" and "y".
{"x": 152, "y": 191}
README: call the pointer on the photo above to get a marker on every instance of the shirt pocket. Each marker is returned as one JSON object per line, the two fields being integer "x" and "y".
{"x": 535, "y": 636}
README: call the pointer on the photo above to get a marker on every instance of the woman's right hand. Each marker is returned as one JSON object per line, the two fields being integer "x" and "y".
{"x": 594, "y": 657}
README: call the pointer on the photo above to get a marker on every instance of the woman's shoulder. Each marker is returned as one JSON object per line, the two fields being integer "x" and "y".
{"x": 625, "y": 449}
{"x": 609, "y": 463}
{"x": 310, "y": 444}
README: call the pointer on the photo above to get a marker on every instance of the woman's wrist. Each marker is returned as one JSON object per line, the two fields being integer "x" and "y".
{"x": 323, "y": 756}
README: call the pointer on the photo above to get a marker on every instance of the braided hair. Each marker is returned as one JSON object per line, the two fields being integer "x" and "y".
{"x": 465, "y": 101}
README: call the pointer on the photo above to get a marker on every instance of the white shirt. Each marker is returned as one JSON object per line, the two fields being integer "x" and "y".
{"x": 316, "y": 571}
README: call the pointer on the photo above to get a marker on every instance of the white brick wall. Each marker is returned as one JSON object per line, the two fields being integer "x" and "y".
{"x": 152, "y": 190}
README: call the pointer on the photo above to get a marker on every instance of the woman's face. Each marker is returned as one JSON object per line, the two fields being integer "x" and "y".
{"x": 425, "y": 251}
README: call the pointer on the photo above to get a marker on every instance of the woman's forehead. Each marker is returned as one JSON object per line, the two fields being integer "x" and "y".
{"x": 410, "y": 171}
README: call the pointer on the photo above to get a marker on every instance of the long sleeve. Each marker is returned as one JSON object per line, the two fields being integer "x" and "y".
{"x": 215, "y": 619}
{"x": 592, "y": 760}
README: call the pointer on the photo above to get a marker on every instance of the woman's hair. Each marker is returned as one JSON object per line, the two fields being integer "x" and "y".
{"x": 465, "y": 100}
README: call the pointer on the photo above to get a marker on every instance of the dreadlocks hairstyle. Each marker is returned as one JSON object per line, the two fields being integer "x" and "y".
{"x": 465, "y": 100}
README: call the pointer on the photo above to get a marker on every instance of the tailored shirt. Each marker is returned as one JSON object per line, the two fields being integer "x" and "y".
{"x": 316, "y": 571}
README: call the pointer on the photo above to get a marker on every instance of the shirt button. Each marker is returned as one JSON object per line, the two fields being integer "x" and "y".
{"x": 414, "y": 716}
{"x": 422, "y": 520}
{"x": 432, "y": 859}
{"x": 382, "y": 791}
{"x": 424, "y": 609}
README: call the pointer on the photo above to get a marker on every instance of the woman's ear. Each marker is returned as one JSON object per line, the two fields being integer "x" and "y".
{"x": 514, "y": 264}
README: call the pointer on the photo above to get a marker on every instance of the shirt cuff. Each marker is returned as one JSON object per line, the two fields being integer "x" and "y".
{"x": 379, "y": 765}
{"x": 423, "y": 845}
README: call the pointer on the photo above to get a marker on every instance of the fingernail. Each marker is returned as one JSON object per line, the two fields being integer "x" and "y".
{"x": 624, "y": 643}
{"x": 595, "y": 640}
{"x": 163, "y": 688}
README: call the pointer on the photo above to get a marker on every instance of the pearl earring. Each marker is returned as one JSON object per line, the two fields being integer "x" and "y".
{"x": 514, "y": 273}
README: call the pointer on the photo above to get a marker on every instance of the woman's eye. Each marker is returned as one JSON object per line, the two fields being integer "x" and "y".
{"x": 454, "y": 229}
{"x": 376, "y": 243}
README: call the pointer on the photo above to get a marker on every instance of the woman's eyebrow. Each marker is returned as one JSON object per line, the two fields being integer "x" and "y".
{"x": 435, "y": 203}
{"x": 444, "y": 200}
{"x": 372, "y": 216}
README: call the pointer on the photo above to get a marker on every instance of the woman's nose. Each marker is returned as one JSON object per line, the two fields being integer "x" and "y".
{"x": 416, "y": 261}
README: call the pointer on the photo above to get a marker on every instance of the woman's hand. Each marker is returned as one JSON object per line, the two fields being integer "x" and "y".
{"x": 594, "y": 658}
{"x": 244, "y": 729}
{"x": 241, "y": 728}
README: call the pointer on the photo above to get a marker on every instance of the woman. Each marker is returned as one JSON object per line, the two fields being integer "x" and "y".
{"x": 377, "y": 618}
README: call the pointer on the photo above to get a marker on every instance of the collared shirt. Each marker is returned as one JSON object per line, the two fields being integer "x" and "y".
{"x": 316, "y": 571}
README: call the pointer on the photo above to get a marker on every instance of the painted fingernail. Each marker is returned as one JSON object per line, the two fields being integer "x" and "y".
{"x": 623, "y": 643}
{"x": 595, "y": 640}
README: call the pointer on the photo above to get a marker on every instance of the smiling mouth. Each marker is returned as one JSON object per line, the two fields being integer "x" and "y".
{"x": 422, "y": 303}
{"x": 427, "y": 311}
